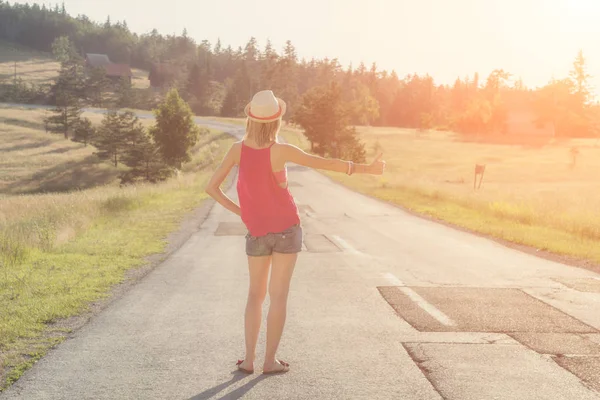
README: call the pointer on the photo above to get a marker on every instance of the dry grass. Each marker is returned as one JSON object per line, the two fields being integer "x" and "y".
{"x": 32, "y": 161}
{"x": 543, "y": 178}
{"x": 32, "y": 66}
{"x": 140, "y": 79}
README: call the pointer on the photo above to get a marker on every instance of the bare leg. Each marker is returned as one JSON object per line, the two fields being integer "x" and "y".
{"x": 259, "y": 274}
{"x": 279, "y": 287}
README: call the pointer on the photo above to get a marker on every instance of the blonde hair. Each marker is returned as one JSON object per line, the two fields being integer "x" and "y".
{"x": 262, "y": 133}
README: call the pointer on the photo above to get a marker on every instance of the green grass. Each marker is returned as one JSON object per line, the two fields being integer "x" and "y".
{"x": 61, "y": 251}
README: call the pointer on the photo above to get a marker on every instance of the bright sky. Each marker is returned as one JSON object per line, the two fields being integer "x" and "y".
{"x": 534, "y": 39}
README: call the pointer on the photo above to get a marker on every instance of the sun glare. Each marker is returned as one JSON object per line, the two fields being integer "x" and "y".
{"x": 584, "y": 6}
{"x": 581, "y": 10}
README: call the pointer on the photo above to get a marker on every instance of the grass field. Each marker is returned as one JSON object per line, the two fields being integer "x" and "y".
{"x": 40, "y": 68}
{"x": 34, "y": 161}
{"x": 31, "y": 66}
{"x": 61, "y": 251}
{"x": 529, "y": 196}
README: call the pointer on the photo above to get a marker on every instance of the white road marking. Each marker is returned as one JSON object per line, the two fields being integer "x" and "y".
{"x": 421, "y": 302}
{"x": 345, "y": 245}
{"x": 393, "y": 280}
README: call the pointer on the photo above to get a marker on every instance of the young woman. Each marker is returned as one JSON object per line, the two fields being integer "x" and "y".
{"x": 269, "y": 212}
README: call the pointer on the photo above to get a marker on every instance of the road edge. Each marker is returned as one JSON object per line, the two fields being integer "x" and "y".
{"x": 571, "y": 261}
{"x": 190, "y": 223}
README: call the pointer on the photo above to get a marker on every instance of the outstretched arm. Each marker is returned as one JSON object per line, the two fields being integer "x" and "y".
{"x": 298, "y": 156}
{"x": 214, "y": 185}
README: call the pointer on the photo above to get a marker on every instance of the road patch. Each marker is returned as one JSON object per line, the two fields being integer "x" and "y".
{"x": 494, "y": 371}
{"x": 481, "y": 310}
{"x": 558, "y": 343}
{"x": 585, "y": 368}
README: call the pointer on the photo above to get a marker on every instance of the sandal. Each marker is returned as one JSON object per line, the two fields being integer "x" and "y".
{"x": 286, "y": 368}
{"x": 244, "y": 370}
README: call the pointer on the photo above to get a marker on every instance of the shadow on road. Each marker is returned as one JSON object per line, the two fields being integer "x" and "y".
{"x": 236, "y": 394}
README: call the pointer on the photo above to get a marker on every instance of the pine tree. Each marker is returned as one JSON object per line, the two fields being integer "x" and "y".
{"x": 83, "y": 131}
{"x": 289, "y": 52}
{"x": 140, "y": 153}
{"x": 580, "y": 79}
{"x": 218, "y": 47}
{"x": 97, "y": 83}
{"x": 144, "y": 159}
{"x": 130, "y": 127}
{"x": 363, "y": 108}
{"x": 284, "y": 79}
{"x": 205, "y": 59}
{"x": 238, "y": 95}
{"x": 115, "y": 136}
{"x": 63, "y": 49}
{"x": 175, "y": 132}
{"x": 197, "y": 88}
{"x": 229, "y": 108}
{"x": 125, "y": 94}
{"x": 324, "y": 118}
{"x": 373, "y": 79}
{"x": 251, "y": 50}
{"x": 67, "y": 91}
{"x": 268, "y": 65}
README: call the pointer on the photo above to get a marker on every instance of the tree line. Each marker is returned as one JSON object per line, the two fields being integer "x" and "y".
{"x": 218, "y": 80}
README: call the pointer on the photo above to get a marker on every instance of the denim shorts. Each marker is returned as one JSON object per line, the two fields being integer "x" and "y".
{"x": 287, "y": 242}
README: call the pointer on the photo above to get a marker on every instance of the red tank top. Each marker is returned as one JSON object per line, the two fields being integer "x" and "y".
{"x": 266, "y": 206}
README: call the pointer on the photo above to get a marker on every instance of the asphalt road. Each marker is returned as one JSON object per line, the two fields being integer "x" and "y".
{"x": 383, "y": 305}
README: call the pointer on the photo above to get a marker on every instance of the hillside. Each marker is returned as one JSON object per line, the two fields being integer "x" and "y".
{"x": 38, "y": 67}
{"x": 31, "y": 65}
{"x": 33, "y": 161}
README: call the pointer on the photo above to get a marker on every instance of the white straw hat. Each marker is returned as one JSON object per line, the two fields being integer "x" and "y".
{"x": 265, "y": 107}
